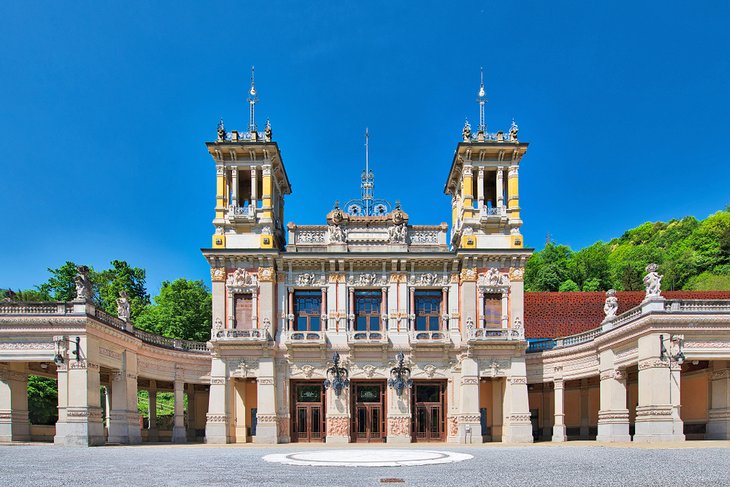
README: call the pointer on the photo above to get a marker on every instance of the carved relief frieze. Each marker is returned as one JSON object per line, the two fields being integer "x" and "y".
{"x": 27, "y": 346}
{"x": 266, "y": 381}
{"x": 266, "y": 274}
{"x": 453, "y": 426}
{"x": 217, "y": 274}
{"x": 266, "y": 418}
{"x": 469, "y": 381}
{"x": 468, "y": 274}
{"x": 336, "y": 277}
{"x": 397, "y": 277}
{"x": 399, "y": 426}
{"x": 516, "y": 274}
{"x": 652, "y": 363}
{"x": 338, "y": 426}
{"x": 110, "y": 353}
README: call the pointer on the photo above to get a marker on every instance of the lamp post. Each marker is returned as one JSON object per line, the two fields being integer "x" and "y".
{"x": 678, "y": 358}
{"x": 339, "y": 376}
{"x": 400, "y": 376}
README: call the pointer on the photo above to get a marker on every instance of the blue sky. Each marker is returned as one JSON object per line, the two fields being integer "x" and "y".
{"x": 105, "y": 108}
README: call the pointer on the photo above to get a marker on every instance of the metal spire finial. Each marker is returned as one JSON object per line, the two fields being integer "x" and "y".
{"x": 252, "y": 99}
{"x": 482, "y": 99}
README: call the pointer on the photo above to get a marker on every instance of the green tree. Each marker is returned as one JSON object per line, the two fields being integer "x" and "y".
{"x": 42, "y": 400}
{"x": 122, "y": 277}
{"x": 568, "y": 285}
{"x": 592, "y": 284}
{"x": 182, "y": 310}
{"x": 60, "y": 286}
{"x": 24, "y": 295}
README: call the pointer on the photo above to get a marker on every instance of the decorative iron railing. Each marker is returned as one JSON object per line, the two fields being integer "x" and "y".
{"x": 493, "y": 211}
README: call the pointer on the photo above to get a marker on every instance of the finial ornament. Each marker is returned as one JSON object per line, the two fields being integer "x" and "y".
{"x": 513, "y": 129}
{"x": 367, "y": 205}
{"x": 267, "y": 131}
{"x": 466, "y": 131}
{"x": 221, "y": 131}
{"x": 252, "y": 99}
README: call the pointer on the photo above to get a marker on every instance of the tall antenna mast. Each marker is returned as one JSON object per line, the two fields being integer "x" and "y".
{"x": 252, "y": 99}
{"x": 482, "y": 99}
{"x": 367, "y": 180}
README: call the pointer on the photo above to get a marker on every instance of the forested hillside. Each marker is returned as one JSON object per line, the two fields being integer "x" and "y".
{"x": 692, "y": 254}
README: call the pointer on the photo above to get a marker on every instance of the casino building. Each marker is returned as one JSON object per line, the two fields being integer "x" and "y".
{"x": 365, "y": 328}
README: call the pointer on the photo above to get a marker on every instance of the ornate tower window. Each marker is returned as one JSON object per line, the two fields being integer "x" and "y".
{"x": 307, "y": 310}
{"x": 368, "y": 309}
{"x": 492, "y": 310}
{"x": 428, "y": 310}
{"x": 243, "y": 305}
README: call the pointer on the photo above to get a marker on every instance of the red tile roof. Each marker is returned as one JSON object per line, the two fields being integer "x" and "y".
{"x": 551, "y": 315}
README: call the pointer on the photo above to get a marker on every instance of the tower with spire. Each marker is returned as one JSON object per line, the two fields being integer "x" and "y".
{"x": 483, "y": 185}
{"x": 251, "y": 183}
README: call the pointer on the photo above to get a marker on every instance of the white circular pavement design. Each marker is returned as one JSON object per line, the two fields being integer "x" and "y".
{"x": 367, "y": 458}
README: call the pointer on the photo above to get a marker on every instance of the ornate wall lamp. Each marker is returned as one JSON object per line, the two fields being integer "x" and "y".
{"x": 339, "y": 376}
{"x": 400, "y": 376}
{"x": 60, "y": 347}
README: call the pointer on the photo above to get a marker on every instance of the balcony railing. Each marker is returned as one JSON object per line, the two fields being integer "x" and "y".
{"x": 241, "y": 212}
{"x": 13, "y": 308}
{"x": 489, "y": 212}
{"x": 254, "y": 334}
{"x": 434, "y": 336}
{"x": 304, "y": 337}
{"x": 494, "y": 334}
{"x": 367, "y": 337}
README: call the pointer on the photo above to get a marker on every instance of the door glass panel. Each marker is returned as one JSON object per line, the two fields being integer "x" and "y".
{"x": 302, "y": 420}
{"x": 309, "y": 393}
{"x": 316, "y": 420}
{"x": 428, "y": 393}
{"x": 435, "y": 420}
{"x": 421, "y": 423}
{"x": 368, "y": 393}
{"x": 375, "y": 421}
{"x": 361, "y": 420}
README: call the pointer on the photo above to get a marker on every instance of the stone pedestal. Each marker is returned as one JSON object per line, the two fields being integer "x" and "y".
{"x": 338, "y": 430}
{"x": 718, "y": 424}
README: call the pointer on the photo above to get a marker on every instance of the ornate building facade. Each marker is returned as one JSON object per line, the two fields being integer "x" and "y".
{"x": 367, "y": 285}
{"x": 366, "y": 328}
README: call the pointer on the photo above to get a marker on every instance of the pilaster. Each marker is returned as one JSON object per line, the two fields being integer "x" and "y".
{"x": 517, "y": 427}
{"x": 399, "y": 416}
{"x": 338, "y": 416}
{"x": 14, "y": 424}
{"x": 217, "y": 421}
{"x": 267, "y": 421}
{"x": 718, "y": 424}
{"x": 559, "y": 429}
{"x": 469, "y": 419}
{"x": 657, "y": 415}
{"x": 613, "y": 415}
{"x": 179, "y": 435}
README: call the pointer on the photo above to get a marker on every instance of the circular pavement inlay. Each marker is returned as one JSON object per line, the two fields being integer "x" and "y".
{"x": 367, "y": 458}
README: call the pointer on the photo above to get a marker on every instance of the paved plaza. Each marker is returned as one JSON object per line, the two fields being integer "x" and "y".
{"x": 198, "y": 465}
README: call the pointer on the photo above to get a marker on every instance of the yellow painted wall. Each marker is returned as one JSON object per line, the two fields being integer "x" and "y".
{"x": 571, "y": 407}
{"x": 485, "y": 399}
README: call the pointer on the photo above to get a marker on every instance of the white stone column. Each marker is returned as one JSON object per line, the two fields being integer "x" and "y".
{"x": 480, "y": 189}
{"x": 254, "y": 309}
{"x": 469, "y": 419}
{"x": 218, "y": 418}
{"x": 234, "y": 186}
{"x": 266, "y": 418}
{"x": 481, "y": 323}
{"x": 254, "y": 189}
{"x": 517, "y": 427}
{"x": 14, "y": 424}
{"x": 559, "y": 430}
{"x": 399, "y": 416}
{"x": 505, "y": 309}
{"x": 179, "y": 435}
{"x": 718, "y": 424}
{"x": 500, "y": 187}
{"x": 613, "y": 417}
{"x": 79, "y": 401}
{"x": 118, "y": 426}
{"x": 657, "y": 415}
{"x": 153, "y": 433}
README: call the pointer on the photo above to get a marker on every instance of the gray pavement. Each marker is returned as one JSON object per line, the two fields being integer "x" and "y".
{"x": 199, "y": 465}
